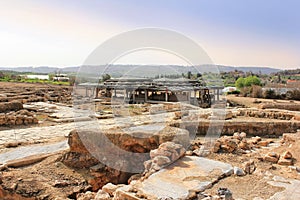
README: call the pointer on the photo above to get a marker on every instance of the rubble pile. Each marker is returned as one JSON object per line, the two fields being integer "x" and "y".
{"x": 285, "y": 159}
{"x": 238, "y": 143}
{"x": 164, "y": 155}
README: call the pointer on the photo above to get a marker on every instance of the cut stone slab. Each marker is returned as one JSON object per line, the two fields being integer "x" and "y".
{"x": 188, "y": 174}
{"x": 32, "y": 150}
{"x": 291, "y": 188}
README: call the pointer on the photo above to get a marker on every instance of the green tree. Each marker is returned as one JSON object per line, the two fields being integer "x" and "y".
{"x": 240, "y": 83}
{"x": 105, "y": 77}
{"x": 189, "y": 75}
{"x": 251, "y": 80}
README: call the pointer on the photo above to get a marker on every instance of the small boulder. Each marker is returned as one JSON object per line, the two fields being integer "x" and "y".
{"x": 238, "y": 171}
{"x": 86, "y": 196}
{"x": 243, "y": 135}
{"x": 287, "y": 155}
{"x": 263, "y": 143}
{"x": 229, "y": 115}
{"x": 225, "y": 193}
{"x": 101, "y": 195}
{"x": 109, "y": 188}
{"x": 161, "y": 160}
{"x": 272, "y": 157}
{"x": 283, "y": 161}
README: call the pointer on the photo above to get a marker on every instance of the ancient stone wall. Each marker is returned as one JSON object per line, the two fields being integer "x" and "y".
{"x": 284, "y": 106}
{"x": 10, "y": 106}
{"x": 270, "y": 114}
{"x": 21, "y": 117}
{"x": 253, "y": 128}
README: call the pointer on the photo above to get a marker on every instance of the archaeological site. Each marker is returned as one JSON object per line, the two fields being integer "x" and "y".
{"x": 230, "y": 148}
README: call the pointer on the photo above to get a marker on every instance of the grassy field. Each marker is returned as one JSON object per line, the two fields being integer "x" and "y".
{"x": 35, "y": 81}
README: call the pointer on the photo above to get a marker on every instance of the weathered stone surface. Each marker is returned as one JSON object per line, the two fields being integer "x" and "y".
{"x": 256, "y": 127}
{"x": 135, "y": 140}
{"x": 166, "y": 154}
{"x": 22, "y": 162}
{"x": 86, "y": 196}
{"x": 190, "y": 173}
{"x": 111, "y": 188}
{"x": 31, "y": 154}
{"x": 291, "y": 188}
{"x": 102, "y": 195}
{"x": 124, "y": 195}
{"x": 119, "y": 163}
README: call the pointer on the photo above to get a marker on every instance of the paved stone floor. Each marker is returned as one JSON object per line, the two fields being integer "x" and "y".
{"x": 26, "y": 151}
{"x": 190, "y": 173}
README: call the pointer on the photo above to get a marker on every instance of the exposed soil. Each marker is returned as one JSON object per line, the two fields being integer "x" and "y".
{"x": 257, "y": 102}
{"x": 48, "y": 179}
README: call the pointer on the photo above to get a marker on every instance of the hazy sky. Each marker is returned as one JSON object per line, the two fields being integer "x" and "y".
{"x": 232, "y": 32}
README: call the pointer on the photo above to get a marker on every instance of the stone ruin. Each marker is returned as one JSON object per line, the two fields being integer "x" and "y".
{"x": 137, "y": 141}
{"x": 12, "y": 113}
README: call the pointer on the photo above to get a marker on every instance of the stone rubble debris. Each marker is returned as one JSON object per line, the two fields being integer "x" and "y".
{"x": 164, "y": 155}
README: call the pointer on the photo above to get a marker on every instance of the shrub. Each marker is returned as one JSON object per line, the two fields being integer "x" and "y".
{"x": 245, "y": 91}
{"x": 293, "y": 95}
{"x": 234, "y": 92}
{"x": 256, "y": 91}
{"x": 270, "y": 94}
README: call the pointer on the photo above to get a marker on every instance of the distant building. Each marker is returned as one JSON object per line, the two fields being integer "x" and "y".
{"x": 36, "y": 76}
{"x": 293, "y": 83}
{"x": 229, "y": 89}
{"x": 283, "y": 88}
{"x": 61, "y": 78}
{"x": 146, "y": 90}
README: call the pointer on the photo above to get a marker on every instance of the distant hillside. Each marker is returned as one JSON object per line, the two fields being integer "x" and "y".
{"x": 262, "y": 70}
{"x": 140, "y": 70}
{"x": 40, "y": 70}
{"x": 290, "y": 72}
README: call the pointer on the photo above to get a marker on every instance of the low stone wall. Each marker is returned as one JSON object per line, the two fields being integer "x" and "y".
{"x": 10, "y": 106}
{"x": 284, "y": 106}
{"x": 254, "y": 128}
{"x": 21, "y": 117}
{"x": 270, "y": 114}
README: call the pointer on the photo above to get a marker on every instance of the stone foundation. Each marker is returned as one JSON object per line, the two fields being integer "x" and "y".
{"x": 252, "y": 128}
{"x": 21, "y": 117}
